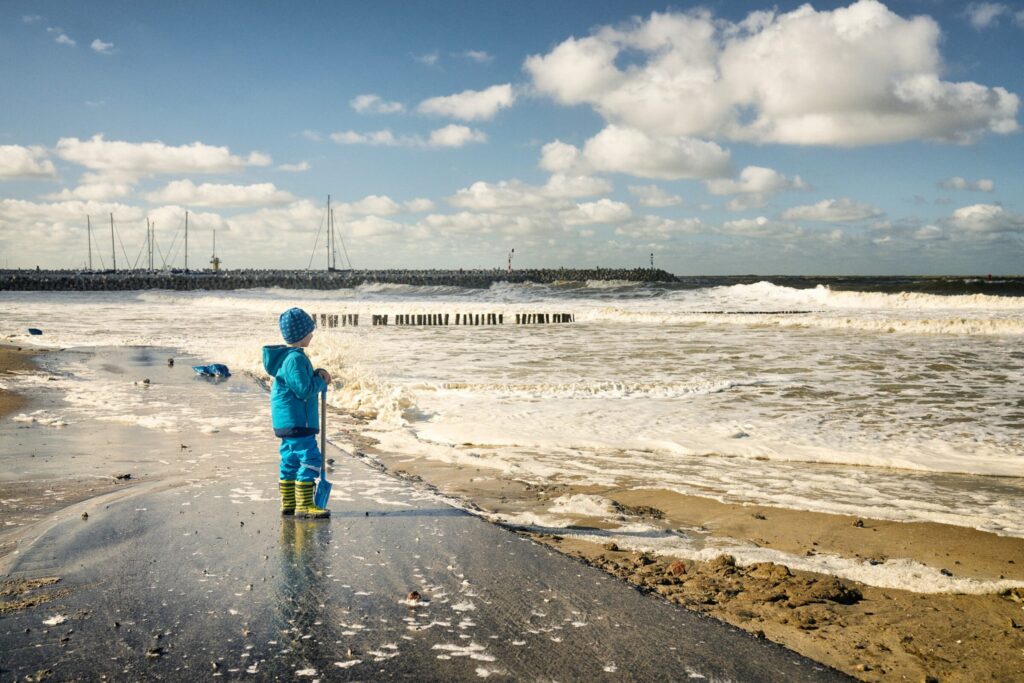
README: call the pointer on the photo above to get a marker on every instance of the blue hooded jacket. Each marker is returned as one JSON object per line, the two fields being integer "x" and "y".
{"x": 294, "y": 409}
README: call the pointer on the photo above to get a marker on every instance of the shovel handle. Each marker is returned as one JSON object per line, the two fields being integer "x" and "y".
{"x": 323, "y": 434}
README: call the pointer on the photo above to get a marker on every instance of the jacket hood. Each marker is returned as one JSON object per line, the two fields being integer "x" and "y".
{"x": 273, "y": 357}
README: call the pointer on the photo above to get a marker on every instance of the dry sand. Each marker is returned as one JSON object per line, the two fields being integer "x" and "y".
{"x": 874, "y": 634}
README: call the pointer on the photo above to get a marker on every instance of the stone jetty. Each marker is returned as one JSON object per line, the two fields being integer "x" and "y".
{"x": 85, "y": 281}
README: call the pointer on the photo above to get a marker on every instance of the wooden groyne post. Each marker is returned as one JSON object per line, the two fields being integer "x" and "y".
{"x": 328, "y": 320}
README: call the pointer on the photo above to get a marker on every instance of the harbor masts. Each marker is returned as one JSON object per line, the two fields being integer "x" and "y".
{"x": 113, "y": 252}
{"x": 186, "y": 241}
{"x": 334, "y": 244}
{"x": 329, "y": 231}
{"x": 214, "y": 261}
{"x": 88, "y": 227}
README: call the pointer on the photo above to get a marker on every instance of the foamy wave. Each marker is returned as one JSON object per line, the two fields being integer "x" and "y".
{"x": 823, "y": 296}
{"x": 612, "y": 284}
{"x": 902, "y": 573}
{"x": 41, "y": 417}
{"x": 959, "y": 325}
{"x": 598, "y": 389}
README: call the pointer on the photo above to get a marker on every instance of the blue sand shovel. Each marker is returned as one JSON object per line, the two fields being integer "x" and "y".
{"x": 323, "y": 487}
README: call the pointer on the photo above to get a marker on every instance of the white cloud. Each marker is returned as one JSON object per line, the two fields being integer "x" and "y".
{"x": 98, "y": 190}
{"x": 418, "y": 205}
{"x": 377, "y": 138}
{"x": 986, "y": 218}
{"x": 372, "y": 204}
{"x": 455, "y": 136}
{"x": 371, "y": 227}
{"x": 602, "y": 211}
{"x": 657, "y": 228}
{"x": 629, "y": 150}
{"x": 31, "y": 18}
{"x": 958, "y": 183}
{"x": 852, "y": 76}
{"x": 474, "y": 223}
{"x": 478, "y": 56}
{"x": 504, "y": 195}
{"x": 103, "y": 48}
{"x": 561, "y": 186}
{"x": 382, "y": 205}
{"x": 187, "y": 193}
{"x": 654, "y": 197}
{"x": 24, "y": 162}
{"x": 373, "y": 104}
{"x": 832, "y": 211}
{"x": 295, "y": 168}
{"x": 428, "y": 59}
{"x": 559, "y": 157}
{"x": 170, "y": 216}
{"x": 754, "y": 180}
{"x": 514, "y": 195}
{"x": 754, "y": 186}
{"x": 17, "y": 212}
{"x": 928, "y": 233}
{"x": 62, "y": 38}
{"x": 268, "y": 224}
{"x": 760, "y": 227}
{"x": 985, "y": 14}
{"x": 312, "y": 135}
{"x": 449, "y": 136}
{"x": 128, "y": 161}
{"x": 1018, "y": 18}
{"x": 470, "y": 105}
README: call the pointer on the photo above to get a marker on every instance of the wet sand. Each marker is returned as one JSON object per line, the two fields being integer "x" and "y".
{"x": 872, "y": 633}
{"x": 14, "y": 359}
{"x": 191, "y": 573}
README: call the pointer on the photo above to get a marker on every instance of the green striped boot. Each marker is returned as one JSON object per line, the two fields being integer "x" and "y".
{"x": 287, "y": 489}
{"x": 305, "y": 506}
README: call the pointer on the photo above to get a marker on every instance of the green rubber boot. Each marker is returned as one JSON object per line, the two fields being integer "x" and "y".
{"x": 287, "y": 489}
{"x": 304, "y": 501}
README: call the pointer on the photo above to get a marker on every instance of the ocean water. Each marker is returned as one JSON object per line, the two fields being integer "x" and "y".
{"x": 897, "y": 404}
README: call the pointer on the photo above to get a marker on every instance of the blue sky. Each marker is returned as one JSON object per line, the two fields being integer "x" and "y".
{"x": 723, "y": 137}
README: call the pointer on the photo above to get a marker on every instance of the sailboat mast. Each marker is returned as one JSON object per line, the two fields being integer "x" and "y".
{"x": 88, "y": 227}
{"x": 328, "y": 232}
{"x": 186, "y": 241}
{"x": 113, "y": 252}
{"x": 334, "y": 244}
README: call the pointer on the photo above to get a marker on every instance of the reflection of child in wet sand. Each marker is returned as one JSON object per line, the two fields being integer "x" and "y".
{"x": 295, "y": 414}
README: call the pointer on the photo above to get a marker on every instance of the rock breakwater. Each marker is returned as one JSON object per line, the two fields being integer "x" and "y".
{"x": 84, "y": 281}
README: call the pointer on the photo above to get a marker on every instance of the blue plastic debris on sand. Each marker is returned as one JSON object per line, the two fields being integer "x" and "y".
{"x": 212, "y": 370}
{"x": 34, "y": 331}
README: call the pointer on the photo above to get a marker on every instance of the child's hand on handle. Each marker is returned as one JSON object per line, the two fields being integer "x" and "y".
{"x": 324, "y": 375}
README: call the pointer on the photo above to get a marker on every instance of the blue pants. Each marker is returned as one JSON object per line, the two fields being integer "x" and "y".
{"x": 300, "y": 459}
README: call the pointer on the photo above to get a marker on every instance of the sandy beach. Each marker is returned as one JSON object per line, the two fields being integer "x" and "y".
{"x": 869, "y": 632}
{"x": 188, "y": 571}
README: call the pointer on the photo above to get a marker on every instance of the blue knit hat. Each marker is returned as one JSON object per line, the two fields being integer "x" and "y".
{"x": 295, "y": 325}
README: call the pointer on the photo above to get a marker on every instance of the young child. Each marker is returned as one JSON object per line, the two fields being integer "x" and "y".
{"x": 295, "y": 414}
